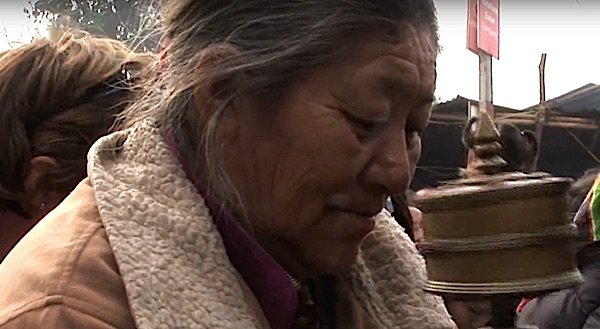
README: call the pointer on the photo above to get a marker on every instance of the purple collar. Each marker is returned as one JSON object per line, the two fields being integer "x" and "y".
{"x": 271, "y": 285}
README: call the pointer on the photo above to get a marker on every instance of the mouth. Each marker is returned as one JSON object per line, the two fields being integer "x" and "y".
{"x": 363, "y": 212}
{"x": 352, "y": 223}
{"x": 361, "y": 206}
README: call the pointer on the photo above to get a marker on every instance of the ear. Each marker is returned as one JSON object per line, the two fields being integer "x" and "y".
{"x": 39, "y": 195}
{"x": 208, "y": 87}
{"x": 207, "y": 93}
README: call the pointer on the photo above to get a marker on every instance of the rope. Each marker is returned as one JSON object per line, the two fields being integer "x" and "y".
{"x": 554, "y": 282}
{"x": 585, "y": 148}
{"x": 501, "y": 241}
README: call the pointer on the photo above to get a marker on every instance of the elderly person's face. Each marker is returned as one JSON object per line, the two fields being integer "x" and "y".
{"x": 314, "y": 168}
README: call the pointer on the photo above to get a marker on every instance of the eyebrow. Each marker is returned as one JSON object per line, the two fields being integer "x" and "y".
{"x": 393, "y": 86}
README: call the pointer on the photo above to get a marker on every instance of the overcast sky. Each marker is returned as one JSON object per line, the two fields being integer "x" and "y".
{"x": 568, "y": 30}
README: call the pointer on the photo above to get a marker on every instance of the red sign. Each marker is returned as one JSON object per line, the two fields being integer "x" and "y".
{"x": 488, "y": 27}
{"x": 472, "y": 26}
{"x": 483, "y": 32}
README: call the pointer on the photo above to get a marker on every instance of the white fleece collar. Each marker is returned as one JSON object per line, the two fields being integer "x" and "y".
{"x": 174, "y": 265}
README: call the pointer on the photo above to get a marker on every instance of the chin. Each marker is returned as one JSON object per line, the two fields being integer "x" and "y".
{"x": 332, "y": 260}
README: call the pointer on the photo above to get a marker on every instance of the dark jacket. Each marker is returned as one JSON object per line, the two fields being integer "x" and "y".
{"x": 576, "y": 308}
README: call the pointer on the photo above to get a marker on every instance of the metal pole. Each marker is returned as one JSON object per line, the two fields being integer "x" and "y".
{"x": 485, "y": 99}
{"x": 542, "y": 113}
{"x": 485, "y": 84}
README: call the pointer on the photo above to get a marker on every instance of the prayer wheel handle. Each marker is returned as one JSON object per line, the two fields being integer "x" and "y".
{"x": 468, "y": 133}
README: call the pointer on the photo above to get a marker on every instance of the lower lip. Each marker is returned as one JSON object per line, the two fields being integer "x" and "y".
{"x": 358, "y": 221}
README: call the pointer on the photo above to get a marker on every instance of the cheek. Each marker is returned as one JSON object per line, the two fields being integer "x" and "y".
{"x": 312, "y": 173}
{"x": 300, "y": 172}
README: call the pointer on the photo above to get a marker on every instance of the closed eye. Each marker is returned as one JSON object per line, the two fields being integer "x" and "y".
{"x": 364, "y": 127}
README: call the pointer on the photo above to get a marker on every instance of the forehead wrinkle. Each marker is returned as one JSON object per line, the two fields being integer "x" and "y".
{"x": 424, "y": 61}
{"x": 399, "y": 73}
{"x": 413, "y": 53}
{"x": 416, "y": 79}
{"x": 416, "y": 48}
{"x": 419, "y": 42}
{"x": 409, "y": 32}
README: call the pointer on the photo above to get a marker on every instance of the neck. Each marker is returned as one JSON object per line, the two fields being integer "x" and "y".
{"x": 297, "y": 273}
{"x": 12, "y": 228}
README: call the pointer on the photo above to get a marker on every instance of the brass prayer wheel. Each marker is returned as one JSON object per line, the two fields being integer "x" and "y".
{"x": 497, "y": 233}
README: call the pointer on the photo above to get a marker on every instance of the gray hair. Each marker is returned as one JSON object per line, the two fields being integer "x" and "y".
{"x": 273, "y": 41}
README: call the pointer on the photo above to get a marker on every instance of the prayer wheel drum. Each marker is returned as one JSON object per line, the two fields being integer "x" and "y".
{"x": 497, "y": 234}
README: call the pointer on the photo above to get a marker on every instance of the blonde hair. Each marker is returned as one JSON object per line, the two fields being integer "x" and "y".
{"x": 56, "y": 98}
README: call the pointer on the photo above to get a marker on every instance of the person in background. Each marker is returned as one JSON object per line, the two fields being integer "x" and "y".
{"x": 247, "y": 185}
{"x": 56, "y": 99}
{"x": 519, "y": 147}
{"x": 580, "y": 189}
{"x": 577, "y": 307}
{"x": 468, "y": 313}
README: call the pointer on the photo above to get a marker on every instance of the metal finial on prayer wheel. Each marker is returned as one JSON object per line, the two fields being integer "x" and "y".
{"x": 484, "y": 153}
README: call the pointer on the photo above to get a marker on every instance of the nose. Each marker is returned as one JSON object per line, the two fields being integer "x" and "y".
{"x": 389, "y": 167}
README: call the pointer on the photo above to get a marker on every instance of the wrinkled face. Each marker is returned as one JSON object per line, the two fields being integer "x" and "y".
{"x": 314, "y": 169}
{"x": 471, "y": 314}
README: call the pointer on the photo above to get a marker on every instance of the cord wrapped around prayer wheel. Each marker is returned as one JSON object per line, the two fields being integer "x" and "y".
{"x": 497, "y": 233}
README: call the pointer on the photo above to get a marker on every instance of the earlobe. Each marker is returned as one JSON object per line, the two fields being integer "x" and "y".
{"x": 35, "y": 183}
